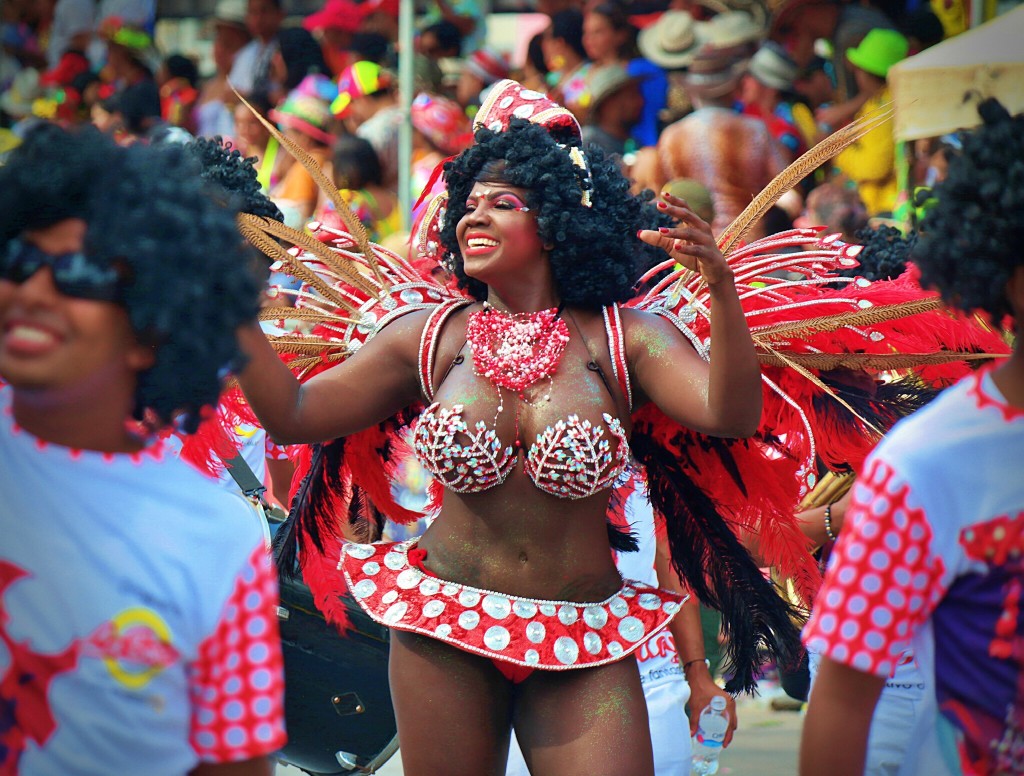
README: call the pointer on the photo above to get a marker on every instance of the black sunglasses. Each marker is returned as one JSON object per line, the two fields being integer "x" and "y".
{"x": 73, "y": 273}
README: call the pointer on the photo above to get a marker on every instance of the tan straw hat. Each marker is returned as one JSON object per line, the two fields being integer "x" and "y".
{"x": 672, "y": 41}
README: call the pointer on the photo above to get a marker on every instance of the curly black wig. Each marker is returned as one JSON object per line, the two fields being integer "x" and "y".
{"x": 595, "y": 249}
{"x": 148, "y": 210}
{"x": 225, "y": 166}
{"x": 972, "y": 237}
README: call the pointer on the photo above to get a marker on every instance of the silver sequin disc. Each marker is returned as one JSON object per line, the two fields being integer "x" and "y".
{"x": 469, "y": 620}
{"x": 614, "y": 648}
{"x": 408, "y": 579}
{"x": 469, "y": 598}
{"x": 360, "y": 551}
{"x": 371, "y": 568}
{"x": 496, "y": 638}
{"x": 389, "y": 597}
{"x": 411, "y": 296}
{"x": 497, "y": 606}
{"x": 443, "y": 630}
{"x": 631, "y": 629}
{"x": 450, "y": 590}
{"x": 535, "y": 632}
{"x": 524, "y": 609}
{"x": 395, "y": 613}
{"x": 394, "y": 561}
{"x": 548, "y": 610}
{"x": 595, "y": 617}
{"x": 619, "y": 607}
{"x": 567, "y": 652}
{"x": 567, "y": 615}
{"x": 592, "y": 643}
{"x": 429, "y": 586}
{"x": 650, "y": 601}
{"x": 532, "y": 657}
{"x": 364, "y": 588}
{"x": 433, "y": 608}
{"x": 670, "y": 607}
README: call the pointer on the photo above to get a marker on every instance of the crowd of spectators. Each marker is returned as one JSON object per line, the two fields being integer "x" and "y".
{"x": 723, "y": 94}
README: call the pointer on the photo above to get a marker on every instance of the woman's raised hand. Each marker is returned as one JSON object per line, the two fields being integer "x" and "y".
{"x": 691, "y": 242}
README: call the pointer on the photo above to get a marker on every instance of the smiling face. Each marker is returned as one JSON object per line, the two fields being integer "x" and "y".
{"x": 50, "y": 341}
{"x": 498, "y": 233}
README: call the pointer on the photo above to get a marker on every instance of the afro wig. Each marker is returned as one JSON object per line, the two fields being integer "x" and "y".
{"x": 972, "y": 237}
{"x": 595, "y": 253}
{"x": 191, "y": 278}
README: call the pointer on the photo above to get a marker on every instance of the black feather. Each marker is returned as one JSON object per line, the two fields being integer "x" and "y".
{"x": 756, "y": 618}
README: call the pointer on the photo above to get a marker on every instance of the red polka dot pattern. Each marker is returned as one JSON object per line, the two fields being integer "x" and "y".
{"x": 276, "y": 452}
{"x": 883, "y": 581}
{"x": 237, "y": 681}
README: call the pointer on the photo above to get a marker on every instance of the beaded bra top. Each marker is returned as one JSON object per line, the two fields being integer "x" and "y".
{"x": 571, "y": 459}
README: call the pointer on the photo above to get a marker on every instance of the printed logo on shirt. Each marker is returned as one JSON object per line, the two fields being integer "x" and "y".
{"x": 661, "y": 645}
{"x": 135, "y": 646}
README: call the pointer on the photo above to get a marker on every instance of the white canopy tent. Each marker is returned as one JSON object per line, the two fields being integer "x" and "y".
{"x": 938, "y": 90}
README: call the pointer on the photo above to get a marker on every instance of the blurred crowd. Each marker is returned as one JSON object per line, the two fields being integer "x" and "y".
{"x": 710, "y": 98}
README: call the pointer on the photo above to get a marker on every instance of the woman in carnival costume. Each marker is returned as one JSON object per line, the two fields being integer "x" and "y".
{"x": 530, "y": 382}
{"x": 532, "y": 387}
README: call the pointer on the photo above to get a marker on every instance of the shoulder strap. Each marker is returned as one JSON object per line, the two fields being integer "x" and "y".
{"x": 617, "y": 349}
{"x": 428, "y": 342}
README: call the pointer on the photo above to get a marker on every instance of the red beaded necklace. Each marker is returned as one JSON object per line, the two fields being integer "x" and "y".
{"x": 515, "y": 350}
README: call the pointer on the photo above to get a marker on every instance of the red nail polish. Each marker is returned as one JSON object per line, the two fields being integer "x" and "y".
{"x": 662, "y": 205}
{"x": 663, "y": 229}
{"x": 638, "y": 231}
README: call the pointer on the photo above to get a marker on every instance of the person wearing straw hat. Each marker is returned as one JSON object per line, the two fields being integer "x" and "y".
{"x": 871, "y": 162}
{"x": 672, "y": 41}
{"x": 615, "y": 106}
{"x": 769, "y": 76}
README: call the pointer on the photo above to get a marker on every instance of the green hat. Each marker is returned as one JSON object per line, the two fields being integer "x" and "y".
{"x": 880, "y": 50}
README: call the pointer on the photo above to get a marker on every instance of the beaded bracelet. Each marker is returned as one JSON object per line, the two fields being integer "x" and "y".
{"x": 828, "y": 524}
{"x": 703, "y": 660}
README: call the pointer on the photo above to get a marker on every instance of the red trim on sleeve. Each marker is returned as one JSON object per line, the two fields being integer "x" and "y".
{"x": 237, "y": 681}
{"x": 883, "y": 582}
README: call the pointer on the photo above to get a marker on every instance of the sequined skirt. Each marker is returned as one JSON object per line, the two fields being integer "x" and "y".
{"x": 548, "y": 635}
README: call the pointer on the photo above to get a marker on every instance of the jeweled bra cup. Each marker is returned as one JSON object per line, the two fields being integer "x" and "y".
{"x": 470, "y": 467}
{"x": 571, "y": 459}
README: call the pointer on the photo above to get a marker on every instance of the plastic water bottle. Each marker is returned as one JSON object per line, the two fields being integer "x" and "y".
{"x": 707, "y": 743}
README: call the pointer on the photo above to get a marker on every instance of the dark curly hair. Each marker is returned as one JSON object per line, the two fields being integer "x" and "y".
{"x": 225, "y": 166}
{"x": 972, "y": 237}
{"x": 595, "y": 250}
{"x": 885, "y": 254}
{"x": 191, "y": 278}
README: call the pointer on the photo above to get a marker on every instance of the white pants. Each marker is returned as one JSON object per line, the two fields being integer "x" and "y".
{"x": 892, "y": 726}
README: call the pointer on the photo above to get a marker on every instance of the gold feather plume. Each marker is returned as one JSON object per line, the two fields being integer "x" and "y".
{"x": 883, "y": 362}
{"x": 797, "y": 171}
{"x": 859, "y": 317}
{"x": 311, "y": 165}
{"x": 333, "y": 260}
{"x": 255, "y": 230}
{"x": 304, "y": 314}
